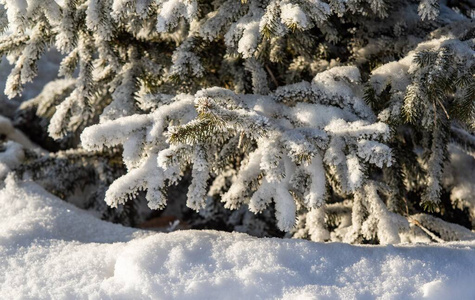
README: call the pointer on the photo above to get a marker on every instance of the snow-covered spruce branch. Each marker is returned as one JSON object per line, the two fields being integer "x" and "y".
{"x": 332, "y": 131}
{"x": 432, "y": 88}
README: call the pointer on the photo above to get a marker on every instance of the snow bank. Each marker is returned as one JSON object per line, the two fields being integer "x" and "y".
{"x": 50, "y": 249}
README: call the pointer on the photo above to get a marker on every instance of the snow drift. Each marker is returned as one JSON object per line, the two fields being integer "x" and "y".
{"x": 50, "y": 249}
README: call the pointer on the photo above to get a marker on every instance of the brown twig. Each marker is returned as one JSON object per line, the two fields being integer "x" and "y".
{"x": 272, "y": 76}
{"x": 427, "y": 231}
{"x": 443, "y": 107}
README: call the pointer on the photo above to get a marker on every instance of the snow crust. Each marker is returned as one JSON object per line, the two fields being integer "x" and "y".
{"x": 50, "y": 249}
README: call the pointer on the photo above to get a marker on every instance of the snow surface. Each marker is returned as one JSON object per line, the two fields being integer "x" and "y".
{"x": 50, "y": 249}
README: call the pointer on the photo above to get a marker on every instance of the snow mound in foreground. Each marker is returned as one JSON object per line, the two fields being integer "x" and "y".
{"x": 50, "y": 249}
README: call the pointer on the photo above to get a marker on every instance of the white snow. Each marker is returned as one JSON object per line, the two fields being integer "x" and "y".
{"x": 50, "y": 249}
{"x": 292, "y": 14}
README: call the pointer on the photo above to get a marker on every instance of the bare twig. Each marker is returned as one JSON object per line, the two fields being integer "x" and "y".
{"x": 443, "y": 107}
{"x": 272, "y": 75}
{"x": 427, "y": 231}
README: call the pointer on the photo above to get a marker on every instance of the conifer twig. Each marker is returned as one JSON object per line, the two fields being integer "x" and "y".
{"x": 443, "y": 107}
{"x": 427, "y": 231}
{"x": 272, "y": 75}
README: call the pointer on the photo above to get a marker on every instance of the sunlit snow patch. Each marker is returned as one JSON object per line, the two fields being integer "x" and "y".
{"x": 50, "y": 249}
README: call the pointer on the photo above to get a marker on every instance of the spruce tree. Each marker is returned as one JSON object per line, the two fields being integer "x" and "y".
{"x": 338, "y": 117}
